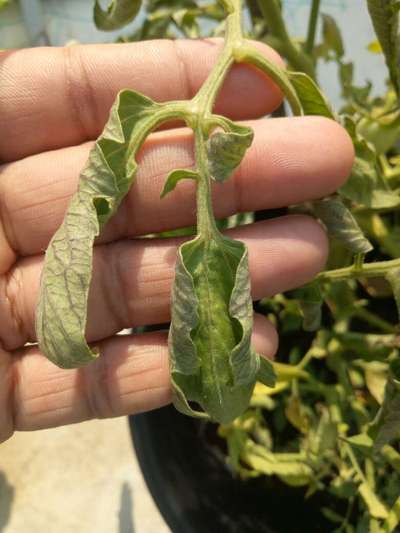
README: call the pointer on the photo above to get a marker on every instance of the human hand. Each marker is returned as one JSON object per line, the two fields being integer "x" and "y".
{"x": 53, "y": 103}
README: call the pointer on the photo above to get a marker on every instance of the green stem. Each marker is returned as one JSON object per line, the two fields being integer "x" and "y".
{"x": 374, "y": 320}
{"x": 202, "y": 105}
{"x": 249, "y": 54}
{"x": 368, "y": 270}
{"x": 312, "y": 27}
{"x": 273, "y": 17}
{"x": 206, "y": 225}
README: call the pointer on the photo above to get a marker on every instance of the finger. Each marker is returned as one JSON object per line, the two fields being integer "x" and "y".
{"x": 132, "y": 279}
{"x": 284, "y": 166}
{"x": 54, "y": 97}
{"x": 131, "y": 375}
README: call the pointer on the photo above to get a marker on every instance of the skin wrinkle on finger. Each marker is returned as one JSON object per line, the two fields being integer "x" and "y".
{"x": 138, "y": 274}
{"x": 130, "y": 376}
{"x": 81, "y": 82}
{"x": 284, "y": 166}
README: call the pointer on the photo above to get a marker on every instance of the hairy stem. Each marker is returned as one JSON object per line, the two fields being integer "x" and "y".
{"x": 368, "y": 270}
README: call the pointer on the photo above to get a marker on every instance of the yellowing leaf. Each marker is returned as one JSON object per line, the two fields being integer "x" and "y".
{"x": 296, "y": 415}
{"x": 393, "y": 520}
{"x": 291, "y": 468}
{"x": 376, "y": 374}
{"x": 371, "y": 500}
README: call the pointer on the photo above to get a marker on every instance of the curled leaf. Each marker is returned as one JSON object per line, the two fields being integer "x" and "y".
{"x": 212, "y": 362}
{"x": 310, "y": 300}
{"x": 62, "y": 307}
{"x": 311, "y": 98}
{"x": 225, "y": 150}
{"x": 175, "y": 177}
{"x": 266, "y": 373}
{"x": 118, "y": 14}
{"x": 342, "y": 225}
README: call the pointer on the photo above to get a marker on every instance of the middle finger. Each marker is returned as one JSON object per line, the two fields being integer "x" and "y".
{"x": 132, "y": 279}
{"x": 290, "y": 161}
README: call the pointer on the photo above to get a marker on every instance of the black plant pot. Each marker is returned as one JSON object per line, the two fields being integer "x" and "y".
{"x": 196, "y": 492}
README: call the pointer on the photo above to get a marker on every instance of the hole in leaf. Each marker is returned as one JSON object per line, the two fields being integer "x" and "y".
{"x": 102, "y": 207}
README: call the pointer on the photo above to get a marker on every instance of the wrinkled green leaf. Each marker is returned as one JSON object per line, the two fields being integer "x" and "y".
{"x": 371, "y": 500}
{"x": 118, "y": 14}
{"x": 212, "y": 362}
{"x": 366, "y": 184}
{"x": 226, "y": 150}
{"x": 385, "y": 19}
{"x": 310, "y": 300}
{"x": 266, "y": 373}
{"x": 341, "y": 224}
{"x": 62, "y": 308}
{"x": 311, "y": 98}
{"x": 175, "y": 177}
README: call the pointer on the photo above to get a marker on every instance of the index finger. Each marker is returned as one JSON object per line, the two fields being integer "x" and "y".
{"x": 56, "y": 97}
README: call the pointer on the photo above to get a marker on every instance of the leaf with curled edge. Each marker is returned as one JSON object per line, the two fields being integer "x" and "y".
{"x": 311, "y": 98}
{"x": 225, "y": 150}
{"x": 385, "y": 19}
{"x": 175, "y": 177}
{"x": 118, "y": 14}
{"x": 107, "y": 177}
{"x": 310, "y": 301}
{"x": 342, "y": 225}
{"x": 212, "y": 362}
